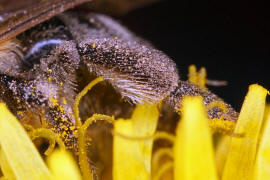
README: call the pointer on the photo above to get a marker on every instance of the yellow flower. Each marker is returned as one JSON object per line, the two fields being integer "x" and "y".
{"x": 244, "y": 154}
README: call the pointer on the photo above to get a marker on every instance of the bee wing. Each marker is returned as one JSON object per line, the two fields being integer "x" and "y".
{"x": 116, "y": 7}
{"x": 22, "y": 16}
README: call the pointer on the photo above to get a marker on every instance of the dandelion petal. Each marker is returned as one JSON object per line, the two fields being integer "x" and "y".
{"x": 262, "y": 167}
{"x": 221, "y": 153}
{"x": 18, "y": 153}
{"x": 242, "y": 151}
{"x": 63, "y": 166}
{"x": 193, "y": 149}
{"x": 132, "y": 156}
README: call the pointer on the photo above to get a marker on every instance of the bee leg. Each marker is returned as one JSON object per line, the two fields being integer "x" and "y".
{"x": 139, "y": 73}
{"x": 215, "y": 106}
{"x": 48, "y": 87}
{"x": 55, "y": 80}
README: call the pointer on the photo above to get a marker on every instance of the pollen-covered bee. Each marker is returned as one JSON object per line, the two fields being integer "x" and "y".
{"x": 48, "y": 55}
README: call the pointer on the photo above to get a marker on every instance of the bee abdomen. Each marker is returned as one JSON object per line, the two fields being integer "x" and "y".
{"x": 185, "y": 88}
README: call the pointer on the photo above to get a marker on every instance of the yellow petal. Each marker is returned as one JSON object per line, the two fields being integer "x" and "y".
{"x": 20, "y": 155}
{"x": 131, "y": 151}
{"x": 193, "y": 149}
{"x": 265, "y": 118}
{"x": 192, "y": 74}
{"x": 6, "y": 169}
{"x": 63, "y": 166}
{"x": 242, "y": 151}
{"x": 144, "y": 119}
{"x": 262, "y": 167}
{"x": 221, "y": 153}
{"x": 198, "y": 78}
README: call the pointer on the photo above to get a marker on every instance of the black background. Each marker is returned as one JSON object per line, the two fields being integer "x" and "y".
{"x": 229, "y": 38}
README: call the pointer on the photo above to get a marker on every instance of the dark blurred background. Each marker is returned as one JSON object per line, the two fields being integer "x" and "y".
{"x": 229, "y": 38}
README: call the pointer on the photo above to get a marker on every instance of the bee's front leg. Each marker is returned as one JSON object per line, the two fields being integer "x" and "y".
{"x": 47, "y": 89}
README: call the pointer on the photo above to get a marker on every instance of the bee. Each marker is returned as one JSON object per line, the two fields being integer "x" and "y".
{"x": 47, "y": 55}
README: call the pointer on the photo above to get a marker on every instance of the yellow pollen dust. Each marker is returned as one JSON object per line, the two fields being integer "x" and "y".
{"x": 64, "y": 134}
{"x": 64, "y": 101}
{"x": 20, "y": 113}
{"x": 54, "y": 101}
{"x": 64, "y": 119}
{"x": 61, "y": 109}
